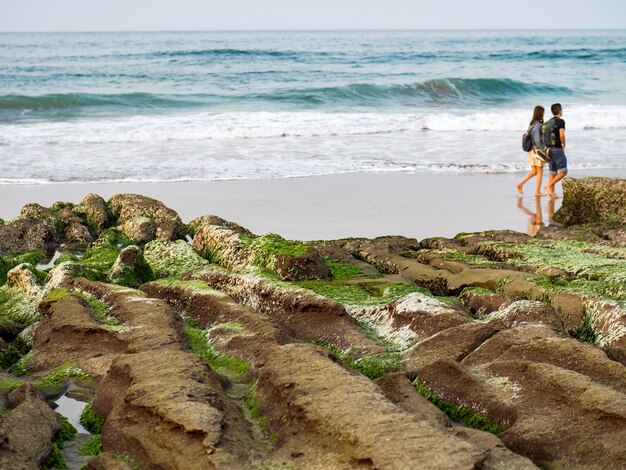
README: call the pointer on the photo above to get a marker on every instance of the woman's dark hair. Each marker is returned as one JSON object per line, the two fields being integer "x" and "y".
{"x": 537, "y": 115}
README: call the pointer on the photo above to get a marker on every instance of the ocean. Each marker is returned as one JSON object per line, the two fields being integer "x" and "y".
{"x": 178, "y": 106}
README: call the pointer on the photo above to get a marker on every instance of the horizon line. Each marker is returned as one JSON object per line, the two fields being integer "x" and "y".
{"x": 306, "y": 30}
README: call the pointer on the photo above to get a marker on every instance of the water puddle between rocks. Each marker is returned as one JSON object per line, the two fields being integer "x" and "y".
{"x": 49, "y": 264}
{"x": 71, "y": 409}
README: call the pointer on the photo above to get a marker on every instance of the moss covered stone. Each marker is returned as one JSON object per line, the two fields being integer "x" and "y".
{"x": 172, "y": 259}
{"x": 593, "y": 200}
{"x": 9, "y": 262}
{"x": 130, "y": 268}
{"x": 94, "y": 213}
{"x": 223, "y": 363}
{"x": 125, "y": 207}
{"x": 290, "y": 260}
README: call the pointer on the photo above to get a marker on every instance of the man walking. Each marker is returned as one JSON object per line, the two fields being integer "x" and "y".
{"x": 558, "y": 160}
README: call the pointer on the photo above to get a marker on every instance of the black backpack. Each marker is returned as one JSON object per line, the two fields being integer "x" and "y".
{"x": 527, "y": 141}
{"x": 548, "y": 133}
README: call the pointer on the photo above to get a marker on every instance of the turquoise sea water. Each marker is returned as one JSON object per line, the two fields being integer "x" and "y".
{"x": 77, "y": 107}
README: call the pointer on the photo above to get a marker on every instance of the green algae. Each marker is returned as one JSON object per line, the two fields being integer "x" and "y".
{"x": 113, "y": 237}
{"x": 361, "y": 294}
{"x": 202, "y": 347}
{"x": 133, "y": 276}
{"x": 59, "y": 374}
{"x": 67, "y": 433}
{"x": 7, "y": 385}
{"x": 56, "y": 295}
{"x": 66, "y": 257}
{"x": 8, "y": 262}
{"x": 373, "y": 367}
{"x": 586, "y": 331}
{"x": 100, "y": 258}
{"x": 450, "y": 254}
{"x": 127, "y": 459}
{"x": 93, "y": 446}
{"x": 18, "y": 307}
{"x": 271, "y": 244}
{"x": 19, "y": 368}
{"x": 596, "y": 269}
{"x": 193, "y": 285}
{"x": 458, "y": 413}
{"x": 343, "y": 271}
{"x": 172, "y": 259}
{"x": 252, "y": 403}
{"x": 91, "y": 420}
{"x": 12, "y": 354}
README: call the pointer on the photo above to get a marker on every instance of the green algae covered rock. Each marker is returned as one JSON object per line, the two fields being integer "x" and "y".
{"x": 172, "y": 259}
{"x": 93, "y": 210}
{"x": 593, "y": 200}
{"x": 130, "y": 268}
{"x": 233, "y": 249}
{"x": 125, "y": 207}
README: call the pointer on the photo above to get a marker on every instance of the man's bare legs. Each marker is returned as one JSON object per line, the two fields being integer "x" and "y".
{"x": 554, "y": 178}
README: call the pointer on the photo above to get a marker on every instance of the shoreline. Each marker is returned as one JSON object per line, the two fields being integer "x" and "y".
{"x": 418, "y": 205}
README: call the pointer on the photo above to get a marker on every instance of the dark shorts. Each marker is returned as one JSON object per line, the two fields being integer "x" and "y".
{"x": 558, "y": 161}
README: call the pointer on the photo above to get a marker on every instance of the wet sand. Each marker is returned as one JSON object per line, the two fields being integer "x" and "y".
{"x": 336, "y": 206}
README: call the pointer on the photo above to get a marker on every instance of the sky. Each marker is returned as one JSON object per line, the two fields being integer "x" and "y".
{"x": 160, "y": 15}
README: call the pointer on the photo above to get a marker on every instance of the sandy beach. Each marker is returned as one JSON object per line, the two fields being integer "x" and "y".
{"x": 329, "y": 207}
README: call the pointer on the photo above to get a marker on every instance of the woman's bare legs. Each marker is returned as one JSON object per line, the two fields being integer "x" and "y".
{"x": 529, "y": 175}
{"x": 539, "y": 179}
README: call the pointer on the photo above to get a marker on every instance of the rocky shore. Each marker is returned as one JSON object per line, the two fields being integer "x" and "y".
{"x": 202, "y": 345}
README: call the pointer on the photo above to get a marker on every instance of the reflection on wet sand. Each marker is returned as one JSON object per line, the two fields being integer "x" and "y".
{"x": 535, "y": 218}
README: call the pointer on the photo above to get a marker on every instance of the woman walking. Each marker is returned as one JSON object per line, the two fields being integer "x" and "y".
{"x": 536, "y": 165}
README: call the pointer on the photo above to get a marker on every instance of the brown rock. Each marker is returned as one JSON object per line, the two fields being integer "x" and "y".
{"x": 167, "y": 412}
{"x": 68, "y": 333}
{"x": 23, "y": 235}
{"x": 108, "y": 461}
{"x": 453, "y": 343}
{"x": 562, "y": 387}
{"x": 24, "y": 393}
{"x": 527, "y": 311}
{"x": 326, "y": 403}
{"x": 399, "y": 390}
{"x": 482, "y": 303}
{"x": 411, "y": 318}
{"x": 27, "y": 431}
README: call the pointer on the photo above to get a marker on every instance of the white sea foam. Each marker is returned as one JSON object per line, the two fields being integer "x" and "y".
{"x": 205, "y": 146}
{"x": 255, "y": 125}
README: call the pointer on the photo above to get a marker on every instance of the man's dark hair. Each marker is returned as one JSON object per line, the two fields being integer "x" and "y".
{"x": 556, "y": 108}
